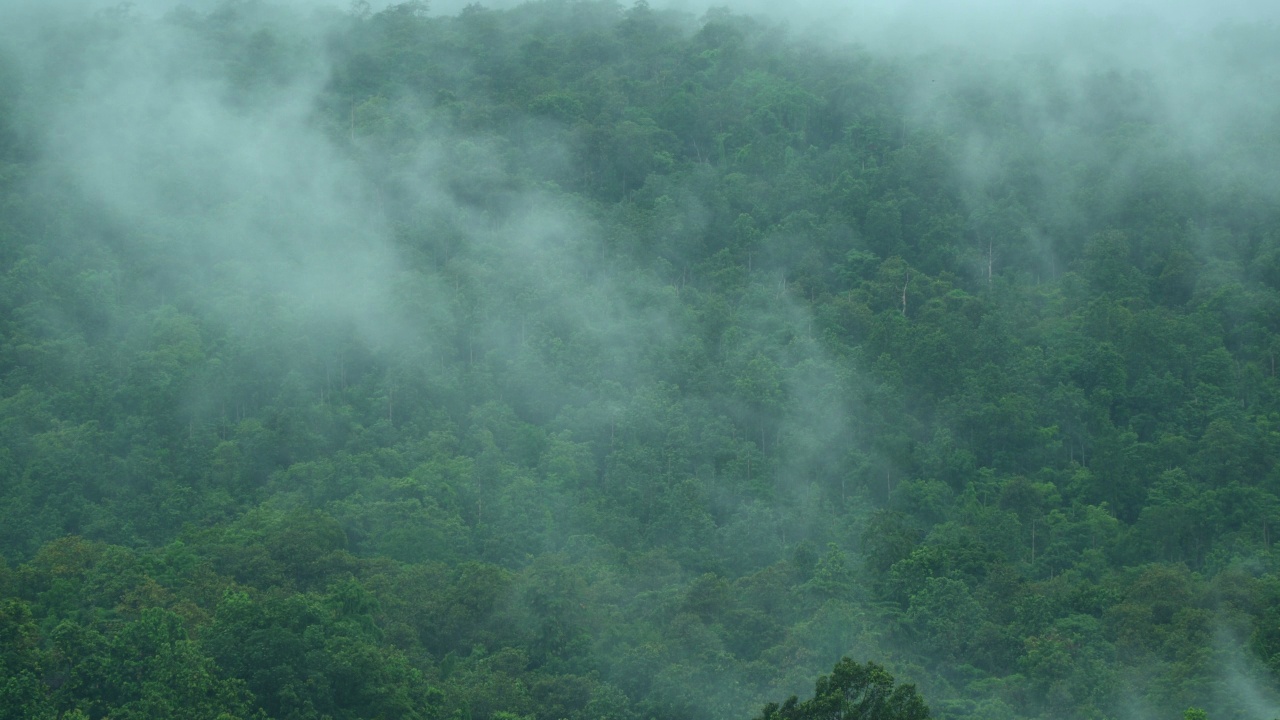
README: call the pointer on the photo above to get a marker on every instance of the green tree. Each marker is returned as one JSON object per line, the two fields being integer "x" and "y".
{"x": 853, "y": 690}
{"x": 22, "y": 693}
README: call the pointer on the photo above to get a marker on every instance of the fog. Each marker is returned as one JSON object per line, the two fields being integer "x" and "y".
{"x": 556, "y": 326}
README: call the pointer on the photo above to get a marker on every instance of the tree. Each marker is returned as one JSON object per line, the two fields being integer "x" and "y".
{"x": 22, "y": 694}
{"x": 853, "y": 692}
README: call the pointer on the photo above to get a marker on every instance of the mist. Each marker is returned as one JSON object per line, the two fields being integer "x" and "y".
{"x": 576, "y": 359}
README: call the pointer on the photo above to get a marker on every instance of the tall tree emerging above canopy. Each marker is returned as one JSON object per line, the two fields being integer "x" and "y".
{"x": 853, "y": 691}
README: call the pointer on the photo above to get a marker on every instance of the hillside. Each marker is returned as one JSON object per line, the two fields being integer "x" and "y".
{"x": 578, "y": 361}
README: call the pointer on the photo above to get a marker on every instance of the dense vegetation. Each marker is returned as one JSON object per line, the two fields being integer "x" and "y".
{"x": 579, "y": 361}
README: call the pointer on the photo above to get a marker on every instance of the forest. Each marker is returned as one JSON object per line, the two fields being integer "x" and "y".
{"x": 579, "y": 360}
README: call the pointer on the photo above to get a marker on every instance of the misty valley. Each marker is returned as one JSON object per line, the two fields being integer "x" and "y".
{"x": 586, "y": 360}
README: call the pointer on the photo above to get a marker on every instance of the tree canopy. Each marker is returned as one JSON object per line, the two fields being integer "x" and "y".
{"x": 862, "y": 692}
{"x": 576, "y": 360}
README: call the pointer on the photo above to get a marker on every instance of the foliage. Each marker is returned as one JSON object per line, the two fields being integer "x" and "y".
{"x": 577, "y": 361}
{"x": 865, "y": 692}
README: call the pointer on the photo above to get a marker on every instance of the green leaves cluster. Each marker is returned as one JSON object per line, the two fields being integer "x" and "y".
{"x": 852, "y": 690}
